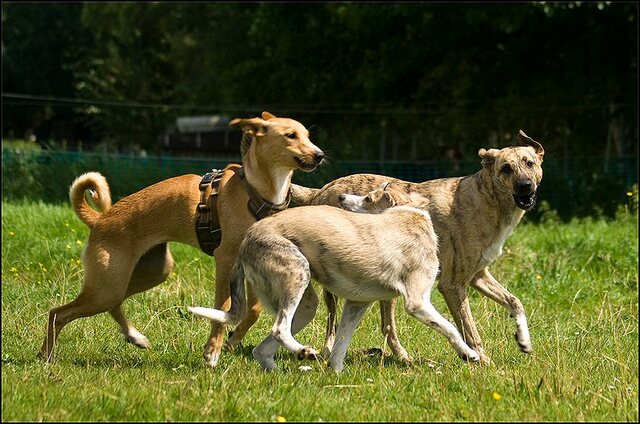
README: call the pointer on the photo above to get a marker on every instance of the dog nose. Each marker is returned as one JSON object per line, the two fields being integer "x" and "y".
{"x": 319, "y": 156}
{"x": 524, "y": 186}
{"x": 341, "y": 197}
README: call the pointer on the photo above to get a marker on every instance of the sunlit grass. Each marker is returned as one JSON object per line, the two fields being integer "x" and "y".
{"x": 578, "y": 282}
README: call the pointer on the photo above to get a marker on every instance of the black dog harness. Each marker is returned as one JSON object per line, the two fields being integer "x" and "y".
{"x": 208, "y": 228}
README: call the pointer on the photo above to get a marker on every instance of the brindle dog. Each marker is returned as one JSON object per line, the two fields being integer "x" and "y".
{"x": 472, "y": 216}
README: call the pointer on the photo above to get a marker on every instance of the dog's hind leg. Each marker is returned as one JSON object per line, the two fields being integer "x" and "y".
{"x": 225, "y": 256}
{"x": 131, "y": 334}
{"x": 486, "y": 284}
{"x": 389, "y": 329}
{"x": 352, "y": 314}
{"x": 89, "y": 302}
{"x": 330, "y": 300}
{"x": 152, "y": 269}
{"x": 286, "y": 327}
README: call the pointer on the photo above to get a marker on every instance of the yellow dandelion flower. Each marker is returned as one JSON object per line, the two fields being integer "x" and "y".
{"x": 14, "y": 269}
{"x": 44, "y": 269}
{"x": 78, "y": 242}
{"x": 496, "y": 396}
{"x": 281, "y": 419}
{"x": 68, "y": 246}
{"x": 538, "y": 277}
{"x": 11, "y": 233}
{"x": 66, "y": 224}
{"x": 78, "y": 261}
{"x": 73, "y": 231}
{"x": 629, "y": 193}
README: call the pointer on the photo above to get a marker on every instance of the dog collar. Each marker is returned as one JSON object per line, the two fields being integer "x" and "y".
{"x": 259, "y": 207}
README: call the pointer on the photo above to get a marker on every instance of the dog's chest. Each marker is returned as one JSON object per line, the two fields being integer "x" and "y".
{"x": 494, "y": 250}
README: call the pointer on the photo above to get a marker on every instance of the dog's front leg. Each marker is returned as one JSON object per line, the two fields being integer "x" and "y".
{"x": 389, "y": 329}
{"x": 458, "y": 303}
{"x": 254, "y": 308}
{"x": 486, "y": 284}
{"x": 224, "y": 264}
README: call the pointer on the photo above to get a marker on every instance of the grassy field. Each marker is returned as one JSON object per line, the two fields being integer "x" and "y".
{"x": 578, "y": 282}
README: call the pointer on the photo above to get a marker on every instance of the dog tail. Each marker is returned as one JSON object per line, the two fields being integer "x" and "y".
{"x": 238, "y": 301}
{"x": 100, "y": 197}
{"x": 303, "y": 195}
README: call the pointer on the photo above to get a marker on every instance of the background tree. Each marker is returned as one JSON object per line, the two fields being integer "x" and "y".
{"x": 380, "y": 81}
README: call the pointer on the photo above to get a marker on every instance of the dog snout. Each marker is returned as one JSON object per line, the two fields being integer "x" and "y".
{"x": 524, "y": 187}
{"x": 318, "y": 156}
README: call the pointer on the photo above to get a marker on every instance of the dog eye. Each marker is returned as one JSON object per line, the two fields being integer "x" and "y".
{"x": 506, "y": 169}
{"x": 367, "y": 198}
{"x": 291, "y": 136}
{"x": 530, "y": 164}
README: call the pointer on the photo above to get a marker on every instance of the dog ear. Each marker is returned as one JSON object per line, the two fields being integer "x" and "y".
{"x": 488, "y": 156}
{"x": 390, "y": 198}
{"x": 384, "y": 185}
{"x": 528, "y": 141}
{"x": 251, "y": 126}
{"x": 266, "y": 115}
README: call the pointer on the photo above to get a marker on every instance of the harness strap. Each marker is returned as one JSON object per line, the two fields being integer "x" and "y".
{"x": 208, "y": 229}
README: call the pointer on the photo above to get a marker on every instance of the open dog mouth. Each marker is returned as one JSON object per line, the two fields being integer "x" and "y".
{"x": 525, "y": 201}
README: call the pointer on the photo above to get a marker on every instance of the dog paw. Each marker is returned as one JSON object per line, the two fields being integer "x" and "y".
{"x": 470, "y": 356}
{"x": 308, "y": 353}
{"x": 141, "y": 342}
{"x": 137, "y": 339}
{"x": 336, "y": 367}
{"x": 211, "y": 359}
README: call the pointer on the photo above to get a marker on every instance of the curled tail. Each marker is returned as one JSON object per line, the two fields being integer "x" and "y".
{"x": 100, "y": 196}
{"x": 303, "y": 195}
{"x": 238, "y": 301}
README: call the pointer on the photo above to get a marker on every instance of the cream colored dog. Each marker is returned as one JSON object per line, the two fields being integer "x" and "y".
{"x": 473, "y": 216}
{"x": 127, "y": 250}
{"x": 360, "y": 257}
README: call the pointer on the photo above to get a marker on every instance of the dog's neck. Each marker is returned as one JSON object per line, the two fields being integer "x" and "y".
{"x": 271, "y": 182}
{"x": 508, "y": 212}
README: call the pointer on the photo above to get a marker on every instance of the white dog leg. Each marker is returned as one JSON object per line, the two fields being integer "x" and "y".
{"x": 352, "y": 314}
{"x": 282, "y": 332}
{"x": 486, "y": 284}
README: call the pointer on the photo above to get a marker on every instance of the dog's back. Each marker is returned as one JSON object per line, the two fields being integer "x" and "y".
{"x": 357, "y": 256}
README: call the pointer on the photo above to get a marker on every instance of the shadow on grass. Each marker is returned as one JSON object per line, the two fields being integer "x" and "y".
{"x": 124, "y": 358}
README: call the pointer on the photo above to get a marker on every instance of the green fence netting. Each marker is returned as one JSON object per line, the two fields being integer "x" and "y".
{"x": 572, "y": 187}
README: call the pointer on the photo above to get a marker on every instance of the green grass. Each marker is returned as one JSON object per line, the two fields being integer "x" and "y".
{"x": 578, "y": 282}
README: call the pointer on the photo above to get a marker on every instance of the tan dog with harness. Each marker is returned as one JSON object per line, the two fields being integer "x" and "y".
{"x": 127, "y": 250}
